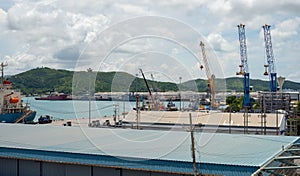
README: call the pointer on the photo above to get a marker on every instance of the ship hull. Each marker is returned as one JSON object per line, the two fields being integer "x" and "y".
{"x": 13, "y": 117}
{"x": 54, "y": 97}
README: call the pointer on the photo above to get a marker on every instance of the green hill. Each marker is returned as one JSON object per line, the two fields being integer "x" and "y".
{"x": 42, "y": 80}
{"x": 236, "y": 83}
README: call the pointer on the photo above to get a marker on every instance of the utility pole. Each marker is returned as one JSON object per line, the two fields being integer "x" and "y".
{"x": 116, "y": 113}
{"x": 124, "y": 110}
{"x": 89, "y": 70}
{"x": 136, "y": 81}
{"x": 193, "y": 146}
{"x": 180, "y": 92}
{"x": 230, "y": 119}
{"x": 137, "y": 112}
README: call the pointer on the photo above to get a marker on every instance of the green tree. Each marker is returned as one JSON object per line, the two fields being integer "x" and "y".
{"x": 234, "y": 103}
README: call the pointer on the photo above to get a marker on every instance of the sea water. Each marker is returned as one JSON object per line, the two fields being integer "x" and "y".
{"x": 72, "y": 109}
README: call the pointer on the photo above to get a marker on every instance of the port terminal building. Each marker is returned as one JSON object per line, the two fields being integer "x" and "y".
{"x": 47, "y": 150}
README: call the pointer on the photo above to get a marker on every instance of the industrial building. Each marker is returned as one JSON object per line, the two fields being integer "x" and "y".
{"x": 210, "y": 121}
{"x": 270, "y": 102}
{"x": 46, "y": 150}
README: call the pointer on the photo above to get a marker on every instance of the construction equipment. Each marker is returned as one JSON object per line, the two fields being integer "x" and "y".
{"x": 270, "y": 59}
{"x": 211, "y": 78}
{"x": 152, "y": 98}
{"x": 244, "y": 65}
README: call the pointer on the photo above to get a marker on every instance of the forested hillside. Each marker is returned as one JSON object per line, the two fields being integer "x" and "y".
{"x": 42, "y": 80}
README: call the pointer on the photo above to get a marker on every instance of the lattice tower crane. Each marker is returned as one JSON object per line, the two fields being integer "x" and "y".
{"x": 244, "y": 65}
{"x": 270, "y": 59}
{"x": 210, "y": 77}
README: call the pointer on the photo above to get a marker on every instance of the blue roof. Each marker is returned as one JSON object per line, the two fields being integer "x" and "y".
{"x": 167, "y": 151}
{"x": 125, "y": 163}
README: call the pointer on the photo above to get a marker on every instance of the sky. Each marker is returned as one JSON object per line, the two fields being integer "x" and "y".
{"x": 161, "y": 37}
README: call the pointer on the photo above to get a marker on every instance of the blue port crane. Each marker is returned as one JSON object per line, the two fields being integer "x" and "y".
{"x": 244, "y": 65}
{"x": 270, "y": 59}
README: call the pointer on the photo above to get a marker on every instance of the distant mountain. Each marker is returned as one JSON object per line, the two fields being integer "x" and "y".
{"x": 42, "y": 80}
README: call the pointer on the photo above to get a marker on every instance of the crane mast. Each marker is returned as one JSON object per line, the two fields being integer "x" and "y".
{"x": 152, "y": 98}
{"x": 270, "y": 59}
{"x": 210, "y": 77}
{"x": 244, "y": 65}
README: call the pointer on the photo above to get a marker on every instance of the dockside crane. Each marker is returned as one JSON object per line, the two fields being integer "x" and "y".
{"x": 152, "y": 98}
{"x": 270, "y": 59}
{"x": 244, "y": 65}
{"x": 210, "y": 77}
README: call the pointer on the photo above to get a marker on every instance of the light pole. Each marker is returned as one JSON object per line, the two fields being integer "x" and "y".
{"x": 180, "y": 93}
{"x": 89, "y": 70}
{"x": 136, "y": 79}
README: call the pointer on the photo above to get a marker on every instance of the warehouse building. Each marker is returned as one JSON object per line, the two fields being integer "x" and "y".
{"x": 210, "y": 121}
{"x": 70, "y": 151}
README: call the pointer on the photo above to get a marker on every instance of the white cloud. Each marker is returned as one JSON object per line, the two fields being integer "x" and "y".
{"x": 2, "y": 15}
{"x": 3, "y": 21}
{"x": 221, "y": 7}
{"x": 131, "y": 9}
{"x": 51, "y": 32}
{"x": 286, "y": 29}
{"x": 219, "y": 43}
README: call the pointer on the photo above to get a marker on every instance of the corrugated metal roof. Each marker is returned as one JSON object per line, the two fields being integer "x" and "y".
{"x": 125, "y": 163}
{"x": 138, "y": 145}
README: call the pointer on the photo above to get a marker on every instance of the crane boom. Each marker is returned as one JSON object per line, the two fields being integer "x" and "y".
{"x": 207, "y": 70}
{"x": 210, "y": 77}
{"x": 244, "y": 65}
{"x": 152, "y": 98}
{"x": 243, "y": 49}
{"x": 270, "y": 58}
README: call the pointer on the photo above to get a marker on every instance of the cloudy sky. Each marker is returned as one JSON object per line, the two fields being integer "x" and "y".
{"x": 162, "y": 37}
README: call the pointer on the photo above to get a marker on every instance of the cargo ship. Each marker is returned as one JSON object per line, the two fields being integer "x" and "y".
{"x": 55, "y": 96}
{"x": 12, "y": 109}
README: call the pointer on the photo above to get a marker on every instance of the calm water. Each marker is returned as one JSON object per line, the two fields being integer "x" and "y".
{"x": 79, "y": 109}
{"x": 76, "y": 109}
